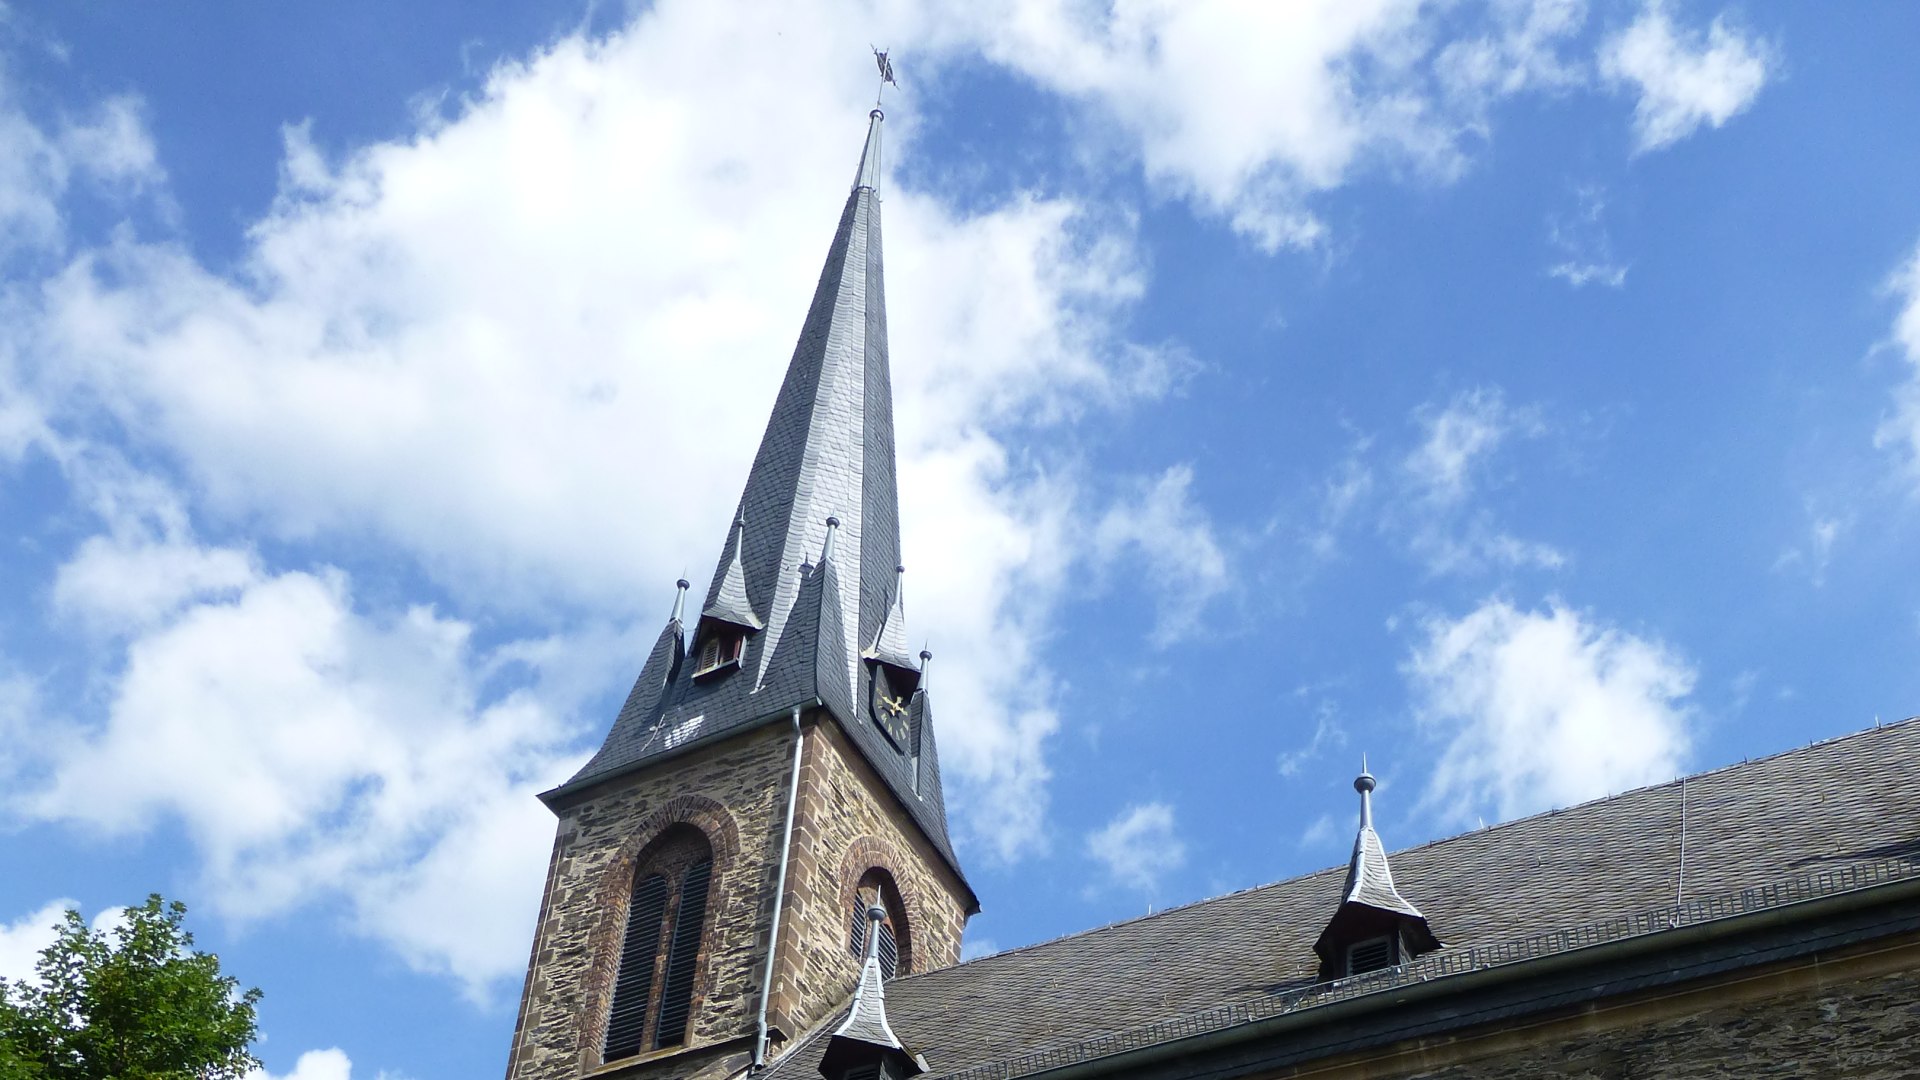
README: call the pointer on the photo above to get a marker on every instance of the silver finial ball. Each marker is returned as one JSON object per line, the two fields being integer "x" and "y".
{"x": 925, "y": 655}
{"x": 683, "y": 583}
{"x": 833, "y": 523}
{"x": 1363, "y": 783}
{"x": 875, "y": 911}
{"x": 900, "y": 568}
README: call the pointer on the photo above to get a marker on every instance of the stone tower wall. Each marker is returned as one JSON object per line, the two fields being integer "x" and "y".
{"x": 735, "y": 792}
{"x": 846, "y": 822}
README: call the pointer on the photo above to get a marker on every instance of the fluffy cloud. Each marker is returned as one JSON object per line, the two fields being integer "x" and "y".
{"x": 1447, "y": 531}
{"x": 1458, "y": 439}
{"x": 22, "y": 940}
{"x": 1901, "y": 430}
{"x": 519, "y": 347}
{"x": 1178, "y": 557}
{"x": 106, "y": 145}
{"x": 1139, "y": 846}
{"x": 330, "y": 1064}
{"x": 1250, "y": 109}
{"x": 313, "y": 751}
{"x": 1684, "y": 79}
{"x": 1535, "y": 709}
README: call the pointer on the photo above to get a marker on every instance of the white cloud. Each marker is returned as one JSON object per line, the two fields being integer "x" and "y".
{"x": 1441, "y": 524}
{"x": 330, "y": 1064}
{"x": 1179, "y": 560}
{"x": 1460, "y": 437}
{"x": 1321, "y": 832}
{"x": 22, "y": 940}
{"x": 1815, "y": 554}
{"x": 1585, "y": 248}
{"x": 115, "y": 583}
{"x": 488, "y": 346}
{"x": 1328, "y": 734}
{"x": 1901, "y": 430}
{"x": 1250, "y": 109}
{"x": 1535, "y": 709}
{"x": 1684, "y": 79}
{"x": 1139, "y": 846}
{"x": 106, "y": 145}
{"x": 314, "y": 751}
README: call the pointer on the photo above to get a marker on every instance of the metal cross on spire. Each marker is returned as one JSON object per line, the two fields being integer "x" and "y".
{"x": 886, "y": 73}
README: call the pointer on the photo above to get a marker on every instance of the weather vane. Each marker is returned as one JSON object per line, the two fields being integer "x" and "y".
{"x": 886, "y": 73}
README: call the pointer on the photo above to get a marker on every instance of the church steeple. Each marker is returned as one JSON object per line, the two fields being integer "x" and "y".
{"x": 782, "y": 761}
{"x": 775, "y": 630}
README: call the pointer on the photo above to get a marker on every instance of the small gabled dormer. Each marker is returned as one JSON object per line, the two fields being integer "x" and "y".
{"x": 864, "y": 1046}
{"x": 892, "y": 676}
{"x": 1374, "y": 927}
{"x": 720, "y": 638}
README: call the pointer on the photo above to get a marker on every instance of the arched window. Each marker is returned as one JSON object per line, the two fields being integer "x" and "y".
{"x": 878, "y": 884}
{"x": 653, "y": 993}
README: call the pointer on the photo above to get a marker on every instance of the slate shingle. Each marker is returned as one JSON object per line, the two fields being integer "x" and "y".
{"x": 1750, "y": 825}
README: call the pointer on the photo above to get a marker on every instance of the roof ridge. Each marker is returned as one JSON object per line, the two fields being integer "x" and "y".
{"x": 1177, "y": 908}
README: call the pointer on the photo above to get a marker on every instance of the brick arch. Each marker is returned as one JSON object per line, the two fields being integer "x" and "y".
{"x": 871, "y": 852}
{"x": 614, "y": 890}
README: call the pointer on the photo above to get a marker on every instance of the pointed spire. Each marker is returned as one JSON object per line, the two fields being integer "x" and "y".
{"x": 867, "y": 177}
{"x": 727, "y": 601}
{"x": 889, "y": 645}
{"x": 864, "y": 1037}
{"x": 799, "y": 629}
{"x": 680, "y": 599}
{"x": 1370, "y": 905}
{"x": 926, "y": 661}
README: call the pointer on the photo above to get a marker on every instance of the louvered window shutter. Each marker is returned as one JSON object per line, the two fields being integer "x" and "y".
{"x": 889, "y": 952}
{"x": 676, "y": 992}
{"x": 632, "y": 989}
{"x": 1371, "y": 955}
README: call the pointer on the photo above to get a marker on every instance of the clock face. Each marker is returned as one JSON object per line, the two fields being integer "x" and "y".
{"x": 889, "y": 709}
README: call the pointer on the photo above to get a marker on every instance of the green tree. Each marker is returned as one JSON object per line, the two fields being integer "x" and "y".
{"x": 134, "y": 1002}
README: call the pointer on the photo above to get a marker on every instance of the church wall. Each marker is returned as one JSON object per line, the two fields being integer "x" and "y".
{"x": 1854, "y": 1014}
{"x": 848, "y": 821}
{"x": 735, "y": 792}
{"x": 1864, "y": 1030}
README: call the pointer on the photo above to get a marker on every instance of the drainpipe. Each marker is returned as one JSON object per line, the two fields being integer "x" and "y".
{"x": 779, "y": 898}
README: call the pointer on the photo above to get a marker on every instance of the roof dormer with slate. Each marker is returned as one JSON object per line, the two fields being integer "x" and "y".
{"x": 1374, "y": 927}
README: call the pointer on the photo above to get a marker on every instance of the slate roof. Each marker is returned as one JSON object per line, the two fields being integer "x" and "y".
{"x": 1831, "y": 805}
{"x": 828, "y": 452}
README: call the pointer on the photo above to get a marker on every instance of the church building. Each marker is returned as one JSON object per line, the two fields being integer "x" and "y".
{"x": 753, "y": 875}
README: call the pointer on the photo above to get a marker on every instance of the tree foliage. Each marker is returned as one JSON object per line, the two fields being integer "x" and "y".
{"x": 131, "y": 1002}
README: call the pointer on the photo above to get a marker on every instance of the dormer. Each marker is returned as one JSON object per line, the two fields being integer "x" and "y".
{"x": 1374, "y": 927}
{"x": 892, "y": 675}
{"x": 720, "y": 639}
{"x": 717, "y": 647}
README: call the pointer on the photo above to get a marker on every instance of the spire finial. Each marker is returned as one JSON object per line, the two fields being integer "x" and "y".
{"x": 926, "y": 657}
{"x": 876, "y": 915}
{"x": 833, "y": 530}
{"x": 680, "y": 598}
{"x": 1364, "y": 784}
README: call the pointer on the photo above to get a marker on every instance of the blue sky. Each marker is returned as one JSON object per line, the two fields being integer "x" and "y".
{"x": 1525, "y": 394}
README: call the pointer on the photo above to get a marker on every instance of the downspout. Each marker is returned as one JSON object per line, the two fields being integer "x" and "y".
{"x": 779, "y": 898}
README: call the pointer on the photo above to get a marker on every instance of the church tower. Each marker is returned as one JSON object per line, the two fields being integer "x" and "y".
{"x": 774, "y": 778}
